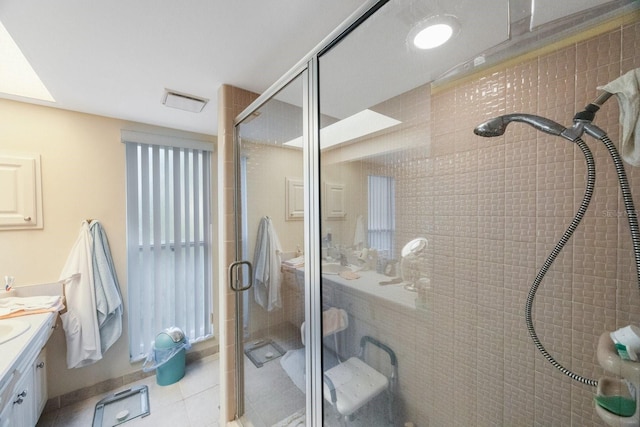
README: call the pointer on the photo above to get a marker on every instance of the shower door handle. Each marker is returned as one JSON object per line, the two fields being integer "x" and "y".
{"x": 233, "y": 278}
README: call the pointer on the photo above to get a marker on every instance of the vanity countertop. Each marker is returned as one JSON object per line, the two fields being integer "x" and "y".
{"x": 26, "y": 345}
{"x": 369, "y": 283}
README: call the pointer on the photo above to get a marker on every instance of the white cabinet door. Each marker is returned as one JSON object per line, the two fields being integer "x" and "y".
{"x": 23, "y": 401}
{"x": 5, "y": 415}
{"x": 20, "y": 198}
{"x": 294, "y": 199}
{"x": 40, "y": 382}
{"x": 334, "y": 201}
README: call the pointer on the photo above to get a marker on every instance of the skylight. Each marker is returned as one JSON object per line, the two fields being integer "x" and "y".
{"x": 358, "y": 125}
{"x": 18, "y": 77}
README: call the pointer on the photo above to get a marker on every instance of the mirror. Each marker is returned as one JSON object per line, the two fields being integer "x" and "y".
{"x": 414, "y": 247}
{"x": 409, "y": 264}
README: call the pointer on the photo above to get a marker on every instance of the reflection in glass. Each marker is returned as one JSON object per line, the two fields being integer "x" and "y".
{"x": 272, "y": 238}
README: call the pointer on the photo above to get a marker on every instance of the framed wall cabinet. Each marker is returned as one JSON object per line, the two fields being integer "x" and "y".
{"x": 294, "y": 199}
{"x": 21, "y": 194}
{"x": 334, "y": 201}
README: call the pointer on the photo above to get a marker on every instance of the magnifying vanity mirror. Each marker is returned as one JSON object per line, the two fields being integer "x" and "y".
{"x": 410, "y": 262}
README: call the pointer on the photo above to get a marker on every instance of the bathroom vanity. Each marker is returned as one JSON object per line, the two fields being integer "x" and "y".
{"x": 360, "y": 297}
{"x": 369, "y": 285}
{"x": 23, "y": 373}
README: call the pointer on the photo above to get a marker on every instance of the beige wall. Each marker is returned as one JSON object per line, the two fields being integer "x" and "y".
{"x": 83, "y": 176}
{"x": 268, "y": 167}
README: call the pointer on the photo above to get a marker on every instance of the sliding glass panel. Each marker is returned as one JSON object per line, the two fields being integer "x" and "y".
{"x": 271, "y": 208}
{"x": 376, "y": 226}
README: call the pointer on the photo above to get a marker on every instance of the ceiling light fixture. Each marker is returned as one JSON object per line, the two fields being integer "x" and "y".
{"x": 183, "y": 101}
{"x": 18, "y": 77}
{"x": 433, "y": 32}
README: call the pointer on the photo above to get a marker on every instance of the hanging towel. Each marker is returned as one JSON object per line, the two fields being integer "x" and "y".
{"x": 358, "y": 237}
{"x": 266, "y": 266}
{"x": 334, "y": 320}
{"x": 107, "y": 290}
{"x": 80, "y": 322}
{"x": 627, "y": 90}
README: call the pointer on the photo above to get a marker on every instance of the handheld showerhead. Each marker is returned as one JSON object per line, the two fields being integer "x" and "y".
{"x": 493, "y": 127}
{"x": 497, "y": 125}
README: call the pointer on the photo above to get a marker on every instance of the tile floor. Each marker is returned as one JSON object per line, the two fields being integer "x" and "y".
{"x": 191, "y": 402}
{"x": 271, "y": 398}
{"x": 270, "y": 395}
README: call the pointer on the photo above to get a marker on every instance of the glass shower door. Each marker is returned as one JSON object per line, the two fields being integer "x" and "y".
{"x": 270, "y": 230}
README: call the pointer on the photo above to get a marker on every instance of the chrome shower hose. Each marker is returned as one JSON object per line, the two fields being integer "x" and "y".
{"x": 635, "y": 238}
{"x": 632, "y": 216}
{"x": 591, "y": 179}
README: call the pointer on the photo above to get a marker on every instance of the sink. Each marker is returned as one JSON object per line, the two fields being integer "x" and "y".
{"x": 11, "y": 328}
{"x": 336, "y": 268}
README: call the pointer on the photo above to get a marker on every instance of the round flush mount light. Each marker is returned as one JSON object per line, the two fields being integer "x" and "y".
{"x": 433, "y": 32}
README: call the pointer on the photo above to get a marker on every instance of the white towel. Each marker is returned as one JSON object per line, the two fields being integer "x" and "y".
{"x": 105, "y": 281}
{"x": 266, "y": 267}
{"x": 627, "y": 90}
{"x": 293, "y": 364}
{"x": 14, "y": 304}
{"x": 358, "y": 235}
{"x": 294, "y": 262}
{"x": 334, "y": 320}
{"x": 80, "y": 322}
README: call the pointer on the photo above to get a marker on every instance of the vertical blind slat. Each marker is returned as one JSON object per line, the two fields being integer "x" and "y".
{"x": 146, "y": 264}
{"x": 197, "y": 261}
{"x": 177, "y": 232}
{"x": 186, "y": 196}
{"x": 132, "y": 236}
{"x": 206, "y": 236}
{"x": 156, "y": 288}
{"x": 170, "y": 242}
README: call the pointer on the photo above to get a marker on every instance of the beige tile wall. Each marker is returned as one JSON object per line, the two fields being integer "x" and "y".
{"x": 492, "y": 210}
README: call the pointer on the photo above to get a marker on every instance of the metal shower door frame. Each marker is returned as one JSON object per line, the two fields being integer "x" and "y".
{"x": 309, "y": 69}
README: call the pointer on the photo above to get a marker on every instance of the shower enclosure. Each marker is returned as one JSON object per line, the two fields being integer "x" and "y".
{"x": 398, "y": 224}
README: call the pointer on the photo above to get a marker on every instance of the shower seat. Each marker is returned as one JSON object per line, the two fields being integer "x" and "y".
{"x": 350, "y": 385}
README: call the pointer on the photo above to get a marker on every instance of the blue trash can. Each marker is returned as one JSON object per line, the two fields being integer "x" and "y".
{"x": 170, "y": 349}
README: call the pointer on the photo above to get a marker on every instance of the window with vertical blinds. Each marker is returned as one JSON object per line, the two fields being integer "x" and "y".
{"x": 381, "y": 218}
{"x": 168, "y": 242}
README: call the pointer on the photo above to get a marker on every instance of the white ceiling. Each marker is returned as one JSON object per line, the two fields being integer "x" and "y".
{"x": 116, "y": 58}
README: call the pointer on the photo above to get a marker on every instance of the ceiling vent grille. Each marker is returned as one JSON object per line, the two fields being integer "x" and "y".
{"x": 183, "y": 101}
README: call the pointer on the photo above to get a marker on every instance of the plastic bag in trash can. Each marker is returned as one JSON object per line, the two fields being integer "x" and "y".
{"x": 159, "y": 356}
